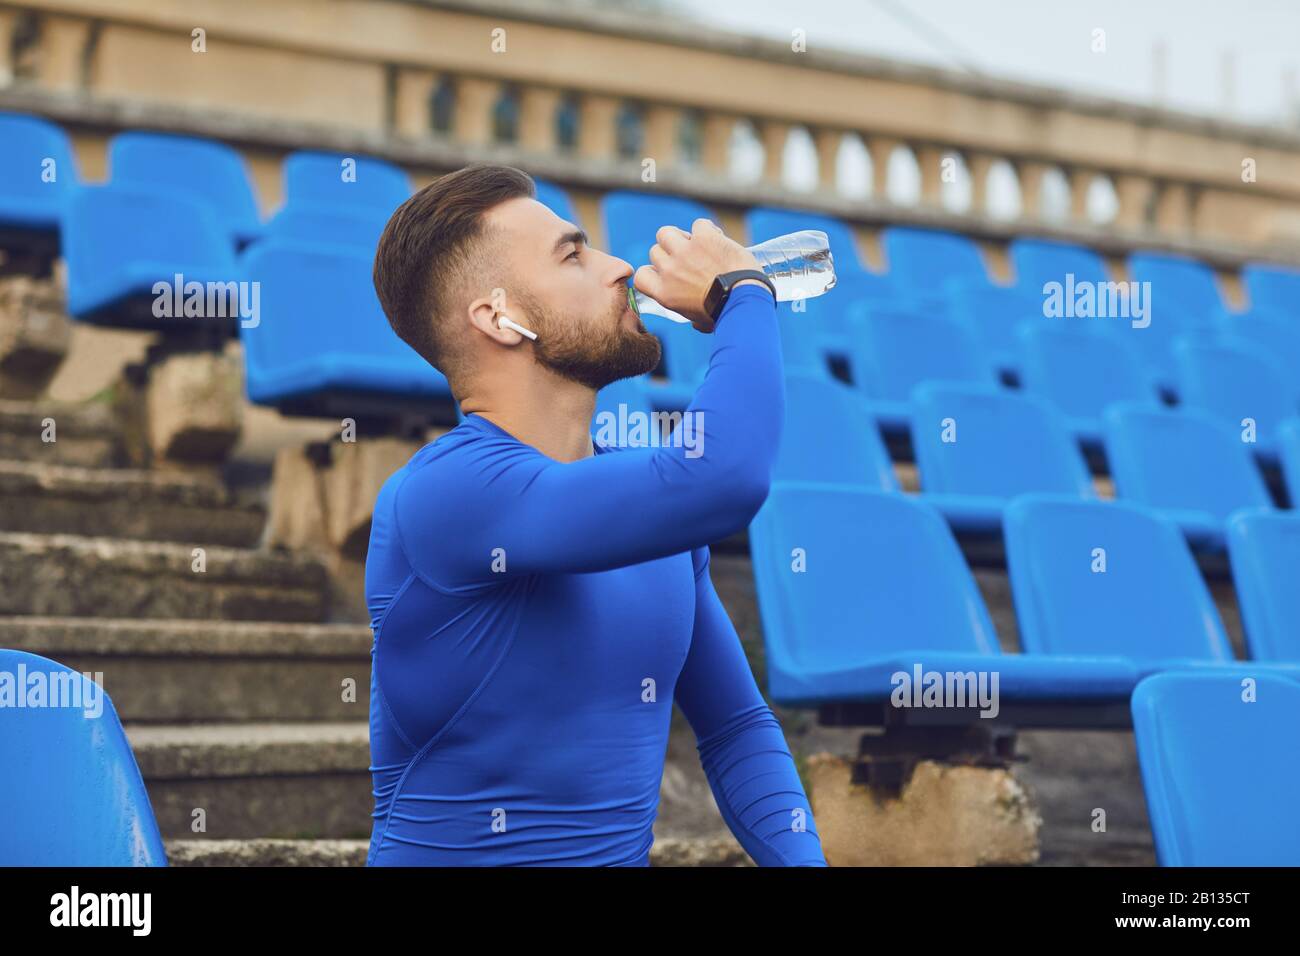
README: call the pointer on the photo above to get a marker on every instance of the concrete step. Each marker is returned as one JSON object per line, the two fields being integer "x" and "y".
{"x": 41, "y": 498}
{"x": 87, "y": 435}
{"x": 665, "y": 852}
{"x": 308, "y": 780}
{"x": 62, "y": 575}
{"x": 187, "y": 671}
{"x": 312, "y": 780}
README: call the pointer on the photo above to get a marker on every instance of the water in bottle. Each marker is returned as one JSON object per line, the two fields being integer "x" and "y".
{"x": 799, "y": 265}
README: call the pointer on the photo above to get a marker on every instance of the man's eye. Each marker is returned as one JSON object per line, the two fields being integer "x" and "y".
{"x": 573, "y": 254}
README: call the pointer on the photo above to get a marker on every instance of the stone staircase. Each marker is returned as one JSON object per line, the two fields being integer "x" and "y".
{"x": 243, "y": 691}
{"x": 242, "y": 677}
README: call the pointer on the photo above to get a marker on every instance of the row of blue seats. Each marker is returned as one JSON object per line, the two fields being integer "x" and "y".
{"x": 896, "y": 330}
{"x": 1218, "y": 785}
{"x": 886, "y": 325}
{"x": 979, "y": 446}
{"x": 1113, "y": 617}
{"x": 1106, "y": 593}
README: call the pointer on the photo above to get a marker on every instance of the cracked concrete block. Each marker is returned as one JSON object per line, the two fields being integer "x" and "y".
{"x": 194, "y": 406}
{"x": 944, "y": 816}
{"x": 34, "y": 335}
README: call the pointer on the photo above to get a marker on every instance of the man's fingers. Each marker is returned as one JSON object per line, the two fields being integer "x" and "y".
{"x": 670, "y": 237}
{"x": 657, "y": 256}
{"x": 647, "y": 280}
{"x": 704, "y": 225}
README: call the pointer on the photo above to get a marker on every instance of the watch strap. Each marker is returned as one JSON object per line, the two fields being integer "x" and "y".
{"x": 723, "y": 284}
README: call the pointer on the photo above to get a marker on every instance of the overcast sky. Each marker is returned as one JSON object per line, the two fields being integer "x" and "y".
{"x": 1050, "y": 41}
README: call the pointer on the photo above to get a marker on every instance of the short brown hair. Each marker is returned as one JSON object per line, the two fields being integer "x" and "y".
{"x": 429, "y": 247}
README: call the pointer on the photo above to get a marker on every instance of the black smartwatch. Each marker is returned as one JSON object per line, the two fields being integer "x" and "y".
{"x": 724, "y": 283}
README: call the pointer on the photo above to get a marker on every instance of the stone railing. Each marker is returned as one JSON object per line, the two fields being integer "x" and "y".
{"x": 596, "y": 99}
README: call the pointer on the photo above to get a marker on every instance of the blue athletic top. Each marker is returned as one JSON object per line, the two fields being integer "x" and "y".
{"x": 535, "y": 620}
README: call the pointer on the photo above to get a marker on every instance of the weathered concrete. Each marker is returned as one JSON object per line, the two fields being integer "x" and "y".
{"x": 944, "y": 816}
{"x": 34, "y": 335}
{"x": 185, "y": 671}
{"x": 296, "y": 514}
{"x": 70, "y": 576}
{"x": 137, "y": 504}
{"x": 357, "y": 471}
{"x": 269, "y": 852}
{"x": 194, "y": 406}
{"x": 258, "y": 780}
{"x": 58, "y": 433}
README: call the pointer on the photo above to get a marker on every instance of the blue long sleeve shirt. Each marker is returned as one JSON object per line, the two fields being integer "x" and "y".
{"x": 534, "y": 622}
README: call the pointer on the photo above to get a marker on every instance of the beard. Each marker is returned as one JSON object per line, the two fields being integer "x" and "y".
{"x": 592, "y": 354}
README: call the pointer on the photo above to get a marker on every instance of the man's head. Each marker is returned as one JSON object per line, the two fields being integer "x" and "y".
{"x": 475, "y": 245}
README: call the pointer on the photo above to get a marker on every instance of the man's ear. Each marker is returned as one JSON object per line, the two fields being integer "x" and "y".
{"x": 483, "y": 315}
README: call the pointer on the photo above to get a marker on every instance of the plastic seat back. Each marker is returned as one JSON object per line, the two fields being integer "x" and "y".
{"x": 1040, "y": 261}
{"x": 895, "y": 350}
{"x": 333, "y": 178}
{"x": 1220, "y": 789}
{"x": 1107, "y": 578}
{"x": 832, "y": 592}
{"x": 1180, "y": 460}
{"x": 830, "y": 436}
{"x": 1264, "y": 547}
{"x": 984, "y": 440}
{"x": 923, "y": 258}
{"x": 212, "y": 172}
{"x": 72, "y": 794}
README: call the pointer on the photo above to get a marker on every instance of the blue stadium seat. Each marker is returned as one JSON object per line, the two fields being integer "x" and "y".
{"x": 319, "y": 178}
{"x": 1184, "y": 463}
{"x": 631, "y": 220}
{"x": 1220, "y": 787}
{"x": 1002, "y": 444}
{"x": 830, "y": 436}
{"x": 31, "y": 208}
{"x": 1233, "y": 381}
{"x": 925, "y": 258}
{"x": 994, "y": 313}
{"x": 894, "y": 350}
{"x": 1277, "y": 334}
{"x": 121, "y": 240}
{"x": 1184, "y": 300}
{"x": 1289, "y": 451}
{"x": 211, "y": 172}
{"x": 884, "y": 589}
{"x": 1040, "y": 261}
{"x": 72, "y": 793}
{"x": 1081, "y": 372}
{"x": 358, "y": 226}
{"x": 1264, "y": 547}
{"x": 806, "y": 342}
{"x": 1114, "y": 578}
{"x": 556, "y": 199}
{"x": 323, "y": 342}
{"x": 1273, "y": 287}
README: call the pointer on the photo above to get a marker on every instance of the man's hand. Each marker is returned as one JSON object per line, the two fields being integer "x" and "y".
{"x": 684, "y": 264}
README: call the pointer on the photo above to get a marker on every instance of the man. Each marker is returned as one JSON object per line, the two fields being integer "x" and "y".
{"x": 539, "y": 601}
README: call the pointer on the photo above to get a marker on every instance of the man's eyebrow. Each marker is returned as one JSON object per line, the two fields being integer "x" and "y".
{"x": 577, "y": 236}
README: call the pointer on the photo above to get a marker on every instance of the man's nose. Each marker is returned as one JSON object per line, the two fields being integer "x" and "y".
{"x": 623, "y": 269}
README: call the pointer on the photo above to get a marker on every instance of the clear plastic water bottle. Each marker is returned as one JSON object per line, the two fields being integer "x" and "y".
{"x": 799, "y": 265}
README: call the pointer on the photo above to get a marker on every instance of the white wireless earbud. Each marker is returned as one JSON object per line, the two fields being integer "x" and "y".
{"x": 506, "y": 322}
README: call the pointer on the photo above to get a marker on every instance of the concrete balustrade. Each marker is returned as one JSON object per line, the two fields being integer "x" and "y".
{"x": 1178, "y": 179}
